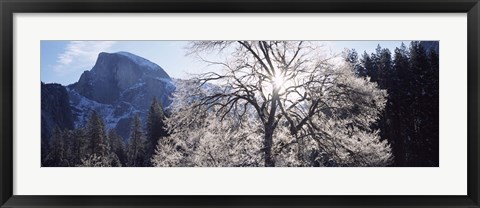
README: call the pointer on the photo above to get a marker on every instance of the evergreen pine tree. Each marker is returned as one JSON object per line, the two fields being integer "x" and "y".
{"x": 96, "y": 146}
{"x": 98, "y": 143}
{"x": 367, "y": 64}
{"x": 434, "y": 109}
{"x": 385, "y": 67}
{"x": 136, "y": 144}
{"x": 425, "y": 109}
{"x": 117, "y": 146}
{"x": 155, "y": 128}
{"x": 374, "y": 71}
{"x": 57, "y": 154}
{"x": 78, "y": 146}
{"x": 352, "y": 58}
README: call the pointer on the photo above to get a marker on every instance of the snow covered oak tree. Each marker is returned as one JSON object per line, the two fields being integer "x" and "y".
{"x": 276, "y": 103}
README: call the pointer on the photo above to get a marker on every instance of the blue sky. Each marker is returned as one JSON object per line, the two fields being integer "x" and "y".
{"x": 64, "y": 61}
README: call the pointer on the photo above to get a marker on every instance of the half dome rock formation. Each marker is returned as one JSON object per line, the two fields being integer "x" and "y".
{"x": 119, "y": 86}
{"x": 116, "y": 75}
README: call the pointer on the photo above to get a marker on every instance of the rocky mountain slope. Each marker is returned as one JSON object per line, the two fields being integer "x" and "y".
{"x": 119, "y": 86}
{"x": 55, "y": 110}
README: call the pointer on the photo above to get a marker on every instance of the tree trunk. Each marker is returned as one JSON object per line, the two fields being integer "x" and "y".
{"x": 268, "y": 141}
{"x": 269, "y": 128}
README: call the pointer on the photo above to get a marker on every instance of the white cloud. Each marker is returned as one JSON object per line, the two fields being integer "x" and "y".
{"x": 80, "y": 55}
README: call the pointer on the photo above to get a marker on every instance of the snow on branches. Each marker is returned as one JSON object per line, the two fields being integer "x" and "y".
{"x": 276, "y": 103}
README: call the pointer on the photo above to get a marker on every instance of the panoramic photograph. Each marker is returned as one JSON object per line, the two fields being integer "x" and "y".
{"x": 239, "y": 103}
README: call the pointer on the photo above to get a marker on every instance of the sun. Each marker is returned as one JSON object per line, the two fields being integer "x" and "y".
{"x": 278, "y": 81}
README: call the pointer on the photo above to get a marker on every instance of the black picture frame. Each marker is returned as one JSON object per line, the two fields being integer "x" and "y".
{"x": 9, "y": 7}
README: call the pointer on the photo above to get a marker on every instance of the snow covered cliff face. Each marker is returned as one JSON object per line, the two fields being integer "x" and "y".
{"x": 117, "y": 73}
{"x": 119, "y": 86}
